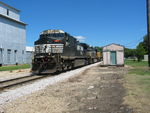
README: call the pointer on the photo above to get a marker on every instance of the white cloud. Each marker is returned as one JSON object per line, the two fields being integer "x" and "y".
{"x": 80, "y": 38}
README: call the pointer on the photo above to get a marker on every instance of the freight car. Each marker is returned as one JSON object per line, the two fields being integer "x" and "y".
{"x": 56, "y": 50}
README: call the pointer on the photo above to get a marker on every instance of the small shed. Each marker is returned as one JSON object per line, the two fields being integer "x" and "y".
{"x": 113, "y": 54}
{"x": 145, "y": 57}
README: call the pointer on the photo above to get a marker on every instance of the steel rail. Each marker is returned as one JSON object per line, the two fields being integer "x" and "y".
{"x": 20, "y": 80}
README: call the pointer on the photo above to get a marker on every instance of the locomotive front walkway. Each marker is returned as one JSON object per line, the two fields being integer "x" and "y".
{"x": 97, "y": 90}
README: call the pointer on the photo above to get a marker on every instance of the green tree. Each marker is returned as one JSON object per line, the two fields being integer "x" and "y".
{"x": 140, "y": 51}
{"x": 130, "y": 53}
{"x": 99, "y": 49}
{"x": 145, "y": 43}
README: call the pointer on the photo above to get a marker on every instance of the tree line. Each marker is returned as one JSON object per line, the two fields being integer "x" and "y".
{"x": 140, "y": 51}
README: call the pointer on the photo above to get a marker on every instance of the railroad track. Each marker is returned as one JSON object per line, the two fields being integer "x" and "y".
{"x": 20, "y": 80}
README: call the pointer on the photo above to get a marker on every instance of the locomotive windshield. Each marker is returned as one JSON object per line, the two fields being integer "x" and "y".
{"x": 53, "y": 36}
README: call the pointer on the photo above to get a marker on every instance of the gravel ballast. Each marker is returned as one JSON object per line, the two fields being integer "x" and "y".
{"x": 96, "y": 90}
{"x": 10, "y": 95}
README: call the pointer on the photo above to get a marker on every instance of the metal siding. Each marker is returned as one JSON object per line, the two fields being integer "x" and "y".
{"x": 1, "y": 56}
{"x": 12, "y": 13}
{"x": 13, "y": 36}
{"x": 29, "y": 57}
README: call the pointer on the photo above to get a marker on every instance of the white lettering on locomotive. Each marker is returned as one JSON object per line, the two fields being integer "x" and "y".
{"x": 49, "y": 48}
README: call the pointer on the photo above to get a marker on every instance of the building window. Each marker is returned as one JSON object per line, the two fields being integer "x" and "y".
{"x": 7, "y": 11}
{"x": 8, "y": 55}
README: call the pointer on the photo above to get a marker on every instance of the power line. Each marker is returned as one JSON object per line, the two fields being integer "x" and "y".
{"x": 133, "y": 43}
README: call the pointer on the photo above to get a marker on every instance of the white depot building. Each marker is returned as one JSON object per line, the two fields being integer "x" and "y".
{"x": 12, "y": 36}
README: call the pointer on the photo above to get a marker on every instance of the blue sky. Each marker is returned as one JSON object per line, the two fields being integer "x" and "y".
{"x": 100, "y": 22}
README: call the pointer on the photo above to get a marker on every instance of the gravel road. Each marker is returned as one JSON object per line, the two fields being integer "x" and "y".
{"x": 96, "y": 90}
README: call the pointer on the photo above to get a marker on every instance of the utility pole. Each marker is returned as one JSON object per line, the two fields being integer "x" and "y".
{"x": 148, "y": 29}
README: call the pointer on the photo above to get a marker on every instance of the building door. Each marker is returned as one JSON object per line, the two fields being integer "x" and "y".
{"x": 8, "y": 56}
{"x": 15, "y": 56}
{"x": 1, "y": 56}
{"x": 113, "y": 57}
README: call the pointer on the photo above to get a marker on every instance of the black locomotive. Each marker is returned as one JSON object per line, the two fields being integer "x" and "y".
{"x": 56, "y": 50}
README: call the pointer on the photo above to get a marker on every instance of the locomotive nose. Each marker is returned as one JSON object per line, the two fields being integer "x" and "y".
{"x": 44, "y": 66}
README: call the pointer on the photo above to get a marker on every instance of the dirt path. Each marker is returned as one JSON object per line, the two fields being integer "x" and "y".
{"x": 97, "y": 90}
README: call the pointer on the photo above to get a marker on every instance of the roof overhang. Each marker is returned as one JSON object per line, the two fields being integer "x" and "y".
{"x": 13, "y": 19}
{"x": 9, "y": 6}
{"x": 113, "y": 44}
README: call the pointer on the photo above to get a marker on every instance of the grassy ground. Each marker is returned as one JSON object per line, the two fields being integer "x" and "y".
{"x": 14, "y": 67}
{"x": 139, "y": 68}
{"x": 136, "y": 63}
{"x": 138, "y": 86}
